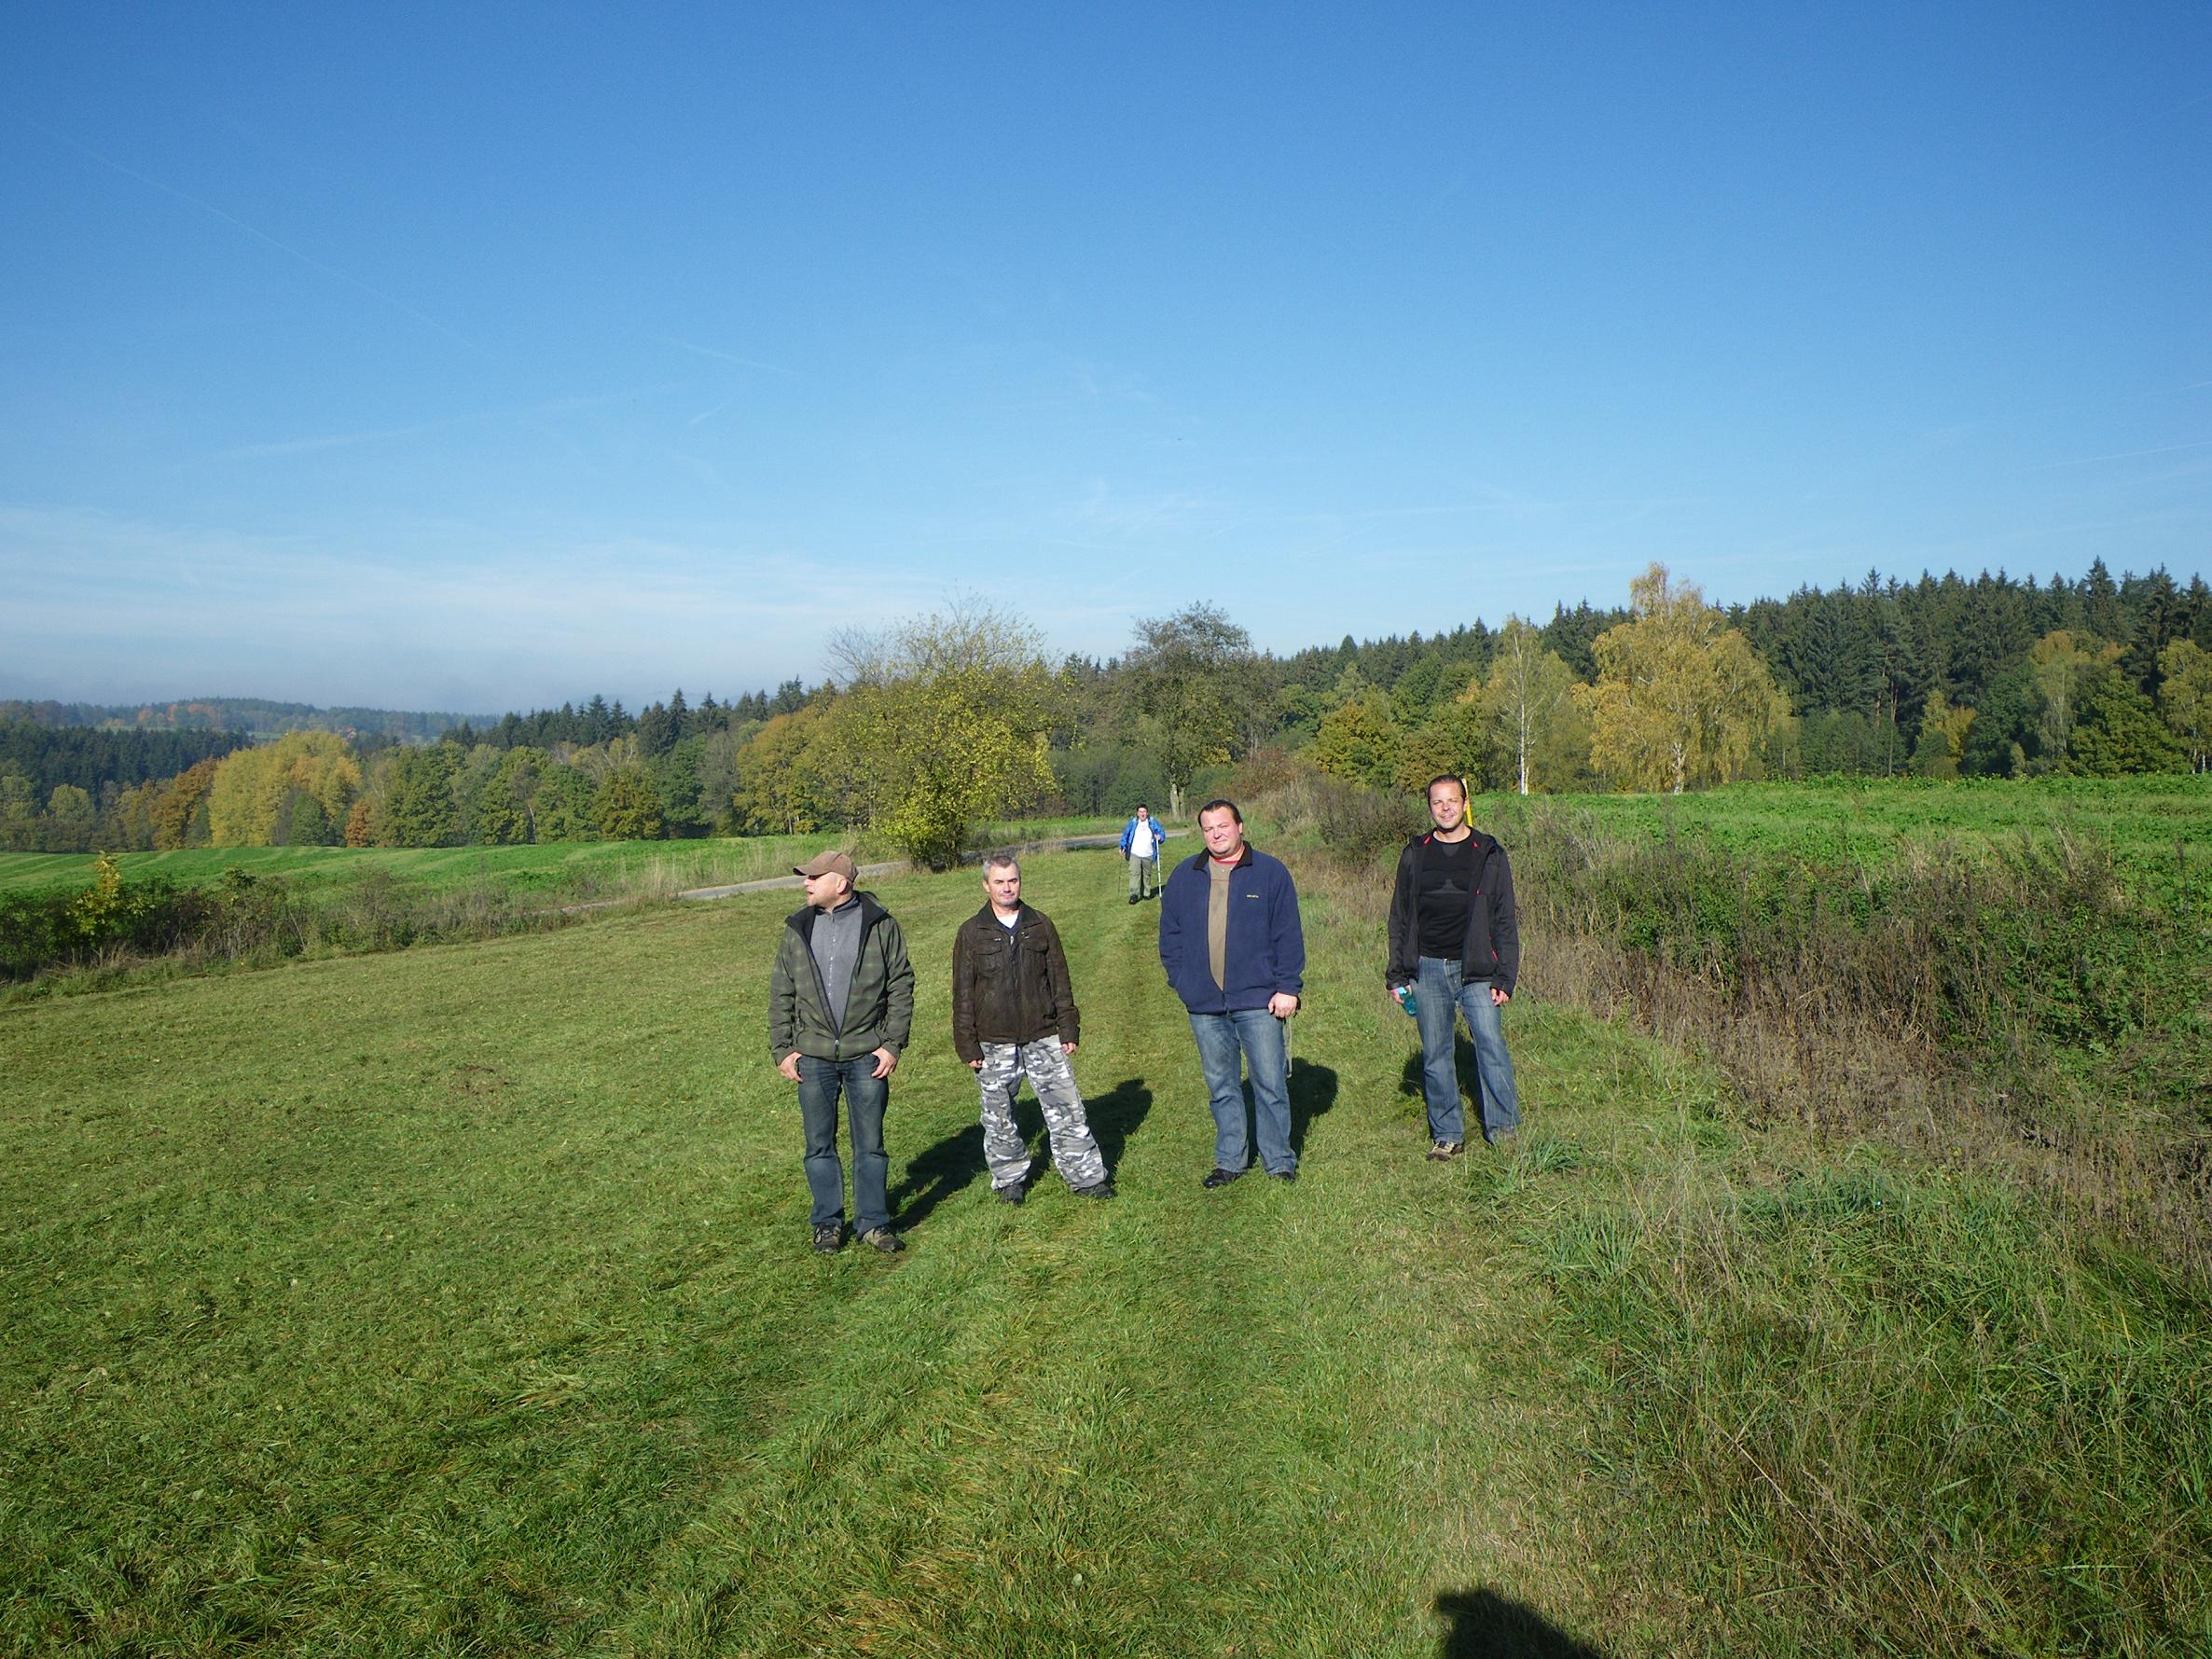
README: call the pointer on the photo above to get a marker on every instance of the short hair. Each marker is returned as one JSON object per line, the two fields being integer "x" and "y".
{"x": 999, "y": 860}
{"x": 1142, "y": 807}
{"x": 1448, "y": 778}
{"x": 1221, "y": 804}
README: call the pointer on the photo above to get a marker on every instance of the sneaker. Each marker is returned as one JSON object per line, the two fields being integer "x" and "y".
{"x": 829, "y": 1238}
{"x": 1099, "y": 1189}
{"x": 1285, "y": 1176}
{"x": 1132, "y": 898}
{"x": 1443, "y": 1150}
{"x": 1220, "y": 1178}
{"x": 1012, "y": 1194}
{"x": 883, "y": 1238}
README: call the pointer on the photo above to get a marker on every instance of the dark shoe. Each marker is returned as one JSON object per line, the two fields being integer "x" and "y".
{"x": 884, "y": 1239}
{"x": 1285, "y": 1176}
{"x": 1132, "y": 898}
{"x": 1103, "y": 1189}
{"x": 1012, "y": 1194}
{"x": 829, "y": 1238}
{"x": 1220, "y": 1178}
{"x": 1443, "y": 1152}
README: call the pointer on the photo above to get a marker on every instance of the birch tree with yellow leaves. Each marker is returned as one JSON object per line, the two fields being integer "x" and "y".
{"x": 1681, "y": 698}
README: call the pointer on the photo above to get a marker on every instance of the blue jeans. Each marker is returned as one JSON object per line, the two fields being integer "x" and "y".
{"x": 1439, "y": 996}
{"x": 866, "y": 1096}
{"x": 1256, "y": 1035}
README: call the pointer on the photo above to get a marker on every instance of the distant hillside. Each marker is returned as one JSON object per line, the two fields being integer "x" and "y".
{"x": 255, "y": 716}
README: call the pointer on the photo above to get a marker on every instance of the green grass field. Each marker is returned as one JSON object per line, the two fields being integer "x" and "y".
{"x": 555, "y": 868}
{"x": 458, "y": 1300}
{"x": 1864, "y": 822}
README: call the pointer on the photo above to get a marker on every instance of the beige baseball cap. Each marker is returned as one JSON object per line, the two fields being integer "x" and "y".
{"x": 826, "y": 864}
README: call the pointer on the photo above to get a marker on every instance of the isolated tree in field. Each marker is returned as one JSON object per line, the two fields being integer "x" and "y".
{"x": 1189, "y": 677}
{"x": 1680, "y": 697}
{"x": 1535, "y": 726}
{"x": 947, "y": 718}
{"x": 2185, "y": 698}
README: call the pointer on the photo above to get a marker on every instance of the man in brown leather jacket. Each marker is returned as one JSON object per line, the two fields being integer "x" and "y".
{"x": 1014, "y": 1015}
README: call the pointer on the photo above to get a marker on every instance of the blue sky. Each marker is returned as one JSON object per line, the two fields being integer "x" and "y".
{"x": 484, "y": 357}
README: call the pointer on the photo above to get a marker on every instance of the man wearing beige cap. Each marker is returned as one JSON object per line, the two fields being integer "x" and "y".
{"x": 840, "y": 1008}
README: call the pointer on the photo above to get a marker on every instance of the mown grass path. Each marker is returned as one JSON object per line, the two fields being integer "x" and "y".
{"x": 459, "y": 1301}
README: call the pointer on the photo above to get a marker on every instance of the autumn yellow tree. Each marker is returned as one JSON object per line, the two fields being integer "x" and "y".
{"x": 256, "y": 790}
{"x": 946, "y": 718}
{"x": 1680, "y": 697}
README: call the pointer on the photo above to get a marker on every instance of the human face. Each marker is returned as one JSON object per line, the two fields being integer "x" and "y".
{"x": 1142, "y": 815}
{"x": 1224, "y": 835}
{"x": 828, "y": 891}
{"x": 1447, "y": 806}
{"x": 1004, "y": 887}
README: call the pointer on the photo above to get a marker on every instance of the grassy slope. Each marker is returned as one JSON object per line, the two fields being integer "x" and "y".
{"x": 459, "y": 1301}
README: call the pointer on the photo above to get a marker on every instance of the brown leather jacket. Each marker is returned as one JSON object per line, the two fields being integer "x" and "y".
{"x": 1009, "y": 985}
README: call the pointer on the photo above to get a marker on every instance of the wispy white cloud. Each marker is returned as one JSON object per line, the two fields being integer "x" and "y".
{"x": 721, "y": 356}
{"x": 551, "y": 408}
{"x": 257, "y": 234}
{"x": 2129, "y": 454}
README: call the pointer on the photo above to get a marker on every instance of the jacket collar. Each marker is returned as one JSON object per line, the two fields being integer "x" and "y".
{"x": 801, "y": 921}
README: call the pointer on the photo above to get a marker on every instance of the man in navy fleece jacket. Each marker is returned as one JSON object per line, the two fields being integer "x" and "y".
{"x": 1234, "y": 954}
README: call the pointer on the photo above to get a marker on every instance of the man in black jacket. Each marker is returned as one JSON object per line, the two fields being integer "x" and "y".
{"x": 1456, "y": 949}
{"x": 1013, "y": 1014}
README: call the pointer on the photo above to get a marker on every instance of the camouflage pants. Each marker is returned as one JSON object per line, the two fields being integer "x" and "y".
{"x": 1073, "y": 1151}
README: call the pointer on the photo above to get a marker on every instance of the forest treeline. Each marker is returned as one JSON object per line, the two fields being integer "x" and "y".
{"x": 959, "y": 717}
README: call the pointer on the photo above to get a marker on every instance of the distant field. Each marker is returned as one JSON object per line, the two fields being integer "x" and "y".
{"x": 1863, "y": 822}
{"x": 561, "y": 868}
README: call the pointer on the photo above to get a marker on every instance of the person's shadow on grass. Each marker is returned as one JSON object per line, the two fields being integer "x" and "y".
{"x": 1484, "y": 1625}
{"x": 1114, "y": 1116}
{"x": 953, "y": 1163}
{"x": 1312, "y": 1092}
{"x": 1463, "y": 1068}
{"x": 935, "y": 1174}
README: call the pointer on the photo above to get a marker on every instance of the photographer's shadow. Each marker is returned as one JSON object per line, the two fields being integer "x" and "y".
{"x": 1484, "y": 1625}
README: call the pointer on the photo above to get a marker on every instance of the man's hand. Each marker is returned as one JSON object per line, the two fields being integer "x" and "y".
{"x": 789, "y": 1065}
{"x": 1067, "y": 1049}
{"x": 886, "y": 1063}
{"x": 1282, "y": 1005}
{"x": 1500, "y": 998}
{"x": 976, "y": 1064}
